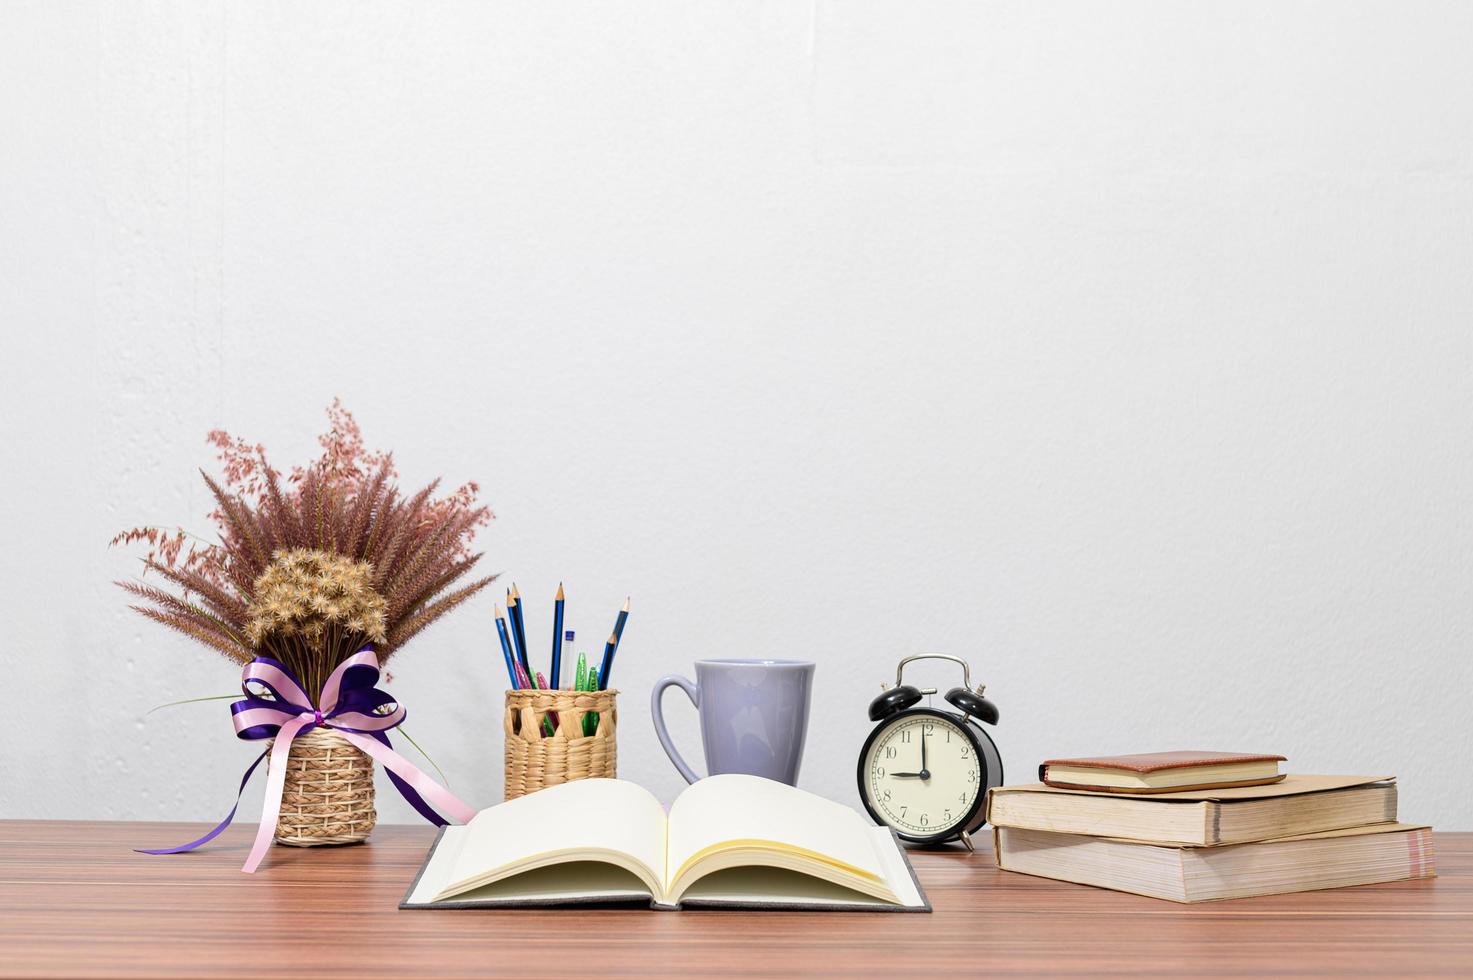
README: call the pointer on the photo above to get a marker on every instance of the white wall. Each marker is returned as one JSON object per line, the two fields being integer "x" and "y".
{"x": 1123, "y": 349}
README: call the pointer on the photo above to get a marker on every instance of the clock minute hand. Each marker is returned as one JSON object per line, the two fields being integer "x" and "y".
{"x": 925, "y": 772}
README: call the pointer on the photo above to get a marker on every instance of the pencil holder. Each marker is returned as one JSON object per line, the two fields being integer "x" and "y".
{"x": 535, "y": 760}
{"x": 328, "y": 794}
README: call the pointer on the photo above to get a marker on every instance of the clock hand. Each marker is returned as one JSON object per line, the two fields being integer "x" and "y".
{"x": 924, "y": 773}
{"x": 905, "y": 775}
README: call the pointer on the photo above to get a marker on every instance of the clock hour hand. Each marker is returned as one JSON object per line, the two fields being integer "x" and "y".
{"x": 906, "y": 775}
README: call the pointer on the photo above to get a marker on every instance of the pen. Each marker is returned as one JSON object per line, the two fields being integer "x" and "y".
{"x": 551, "y": 719}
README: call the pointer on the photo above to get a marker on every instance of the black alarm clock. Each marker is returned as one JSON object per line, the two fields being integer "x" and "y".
{"x": 926, "y": 772}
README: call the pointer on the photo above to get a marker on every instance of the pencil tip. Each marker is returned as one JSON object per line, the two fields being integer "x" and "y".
{"x": 498, "y": 610}
{"x": 560, "y": 590}
{"x": 626, "y": 604}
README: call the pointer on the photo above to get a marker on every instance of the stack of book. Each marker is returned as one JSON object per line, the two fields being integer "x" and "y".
{"x": 1193, "y": 827}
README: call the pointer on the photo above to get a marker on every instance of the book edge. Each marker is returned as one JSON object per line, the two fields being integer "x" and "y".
{"x": 1426, "y": 857}
{"x": 1157, "y": 790}
{"x": 423, "y": 866}
{"x": 658, "y": 906}
{"x": 1113, "y": 762}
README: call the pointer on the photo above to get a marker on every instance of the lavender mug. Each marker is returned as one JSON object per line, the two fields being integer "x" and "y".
{"x": 754, "y": 716}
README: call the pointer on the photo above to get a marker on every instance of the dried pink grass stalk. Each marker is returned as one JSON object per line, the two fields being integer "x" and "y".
{"x": 345, "y": 503}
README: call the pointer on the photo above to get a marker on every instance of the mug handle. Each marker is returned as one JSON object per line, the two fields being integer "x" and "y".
{"x": 657, "y": 713}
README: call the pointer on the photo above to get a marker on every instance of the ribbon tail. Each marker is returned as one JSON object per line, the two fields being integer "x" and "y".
{"x": 443, "y": 800}
{"x": 275, "y": 784}
{"x": 409, "y": 793}
{"x": 220, "y": 827}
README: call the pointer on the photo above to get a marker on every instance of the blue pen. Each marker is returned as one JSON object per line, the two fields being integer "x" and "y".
{"x": 554, "y": 675}
{"x": 511, "y": 669}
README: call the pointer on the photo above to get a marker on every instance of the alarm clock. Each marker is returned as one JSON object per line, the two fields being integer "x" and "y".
{"x": 926, "y": 772}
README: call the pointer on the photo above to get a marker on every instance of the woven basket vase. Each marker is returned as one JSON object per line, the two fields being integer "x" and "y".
{"x": 535, "y": 762}
{"x": 328, "y": 797}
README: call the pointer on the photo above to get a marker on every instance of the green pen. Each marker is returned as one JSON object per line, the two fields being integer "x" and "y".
{"x": 580, "y": 682}
{"x": 590, "y": 721}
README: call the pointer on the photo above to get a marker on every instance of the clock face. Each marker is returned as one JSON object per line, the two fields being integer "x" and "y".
{"x": 921, "y": 775}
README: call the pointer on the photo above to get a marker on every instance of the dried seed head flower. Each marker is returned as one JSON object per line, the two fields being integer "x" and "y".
{"x": 310, "y": 593}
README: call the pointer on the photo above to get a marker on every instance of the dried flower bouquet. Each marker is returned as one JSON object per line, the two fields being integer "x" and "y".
{"x": 306, "y": 575}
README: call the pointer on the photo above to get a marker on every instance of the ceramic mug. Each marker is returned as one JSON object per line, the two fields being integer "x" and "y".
{"x": 754, "y": 716}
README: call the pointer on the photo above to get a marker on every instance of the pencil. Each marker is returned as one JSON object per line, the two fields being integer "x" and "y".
{"x": 613, "y": 646}
{"x": 619, "y": 623}
{"x": 519, "y": 627}
{"x": 607, "y": 666}
{"x": 511, "y": 615}
{"x": 511, "y": 668}
{"x": 557, "y": 638}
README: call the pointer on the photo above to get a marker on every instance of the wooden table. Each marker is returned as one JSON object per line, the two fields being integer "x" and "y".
{"x": 76, "y": 901}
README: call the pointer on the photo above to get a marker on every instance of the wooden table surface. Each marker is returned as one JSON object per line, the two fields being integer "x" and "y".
{"x": 76, "y": 901}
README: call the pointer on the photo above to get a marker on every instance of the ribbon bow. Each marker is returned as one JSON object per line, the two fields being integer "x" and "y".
{"x": 276, "y": 707}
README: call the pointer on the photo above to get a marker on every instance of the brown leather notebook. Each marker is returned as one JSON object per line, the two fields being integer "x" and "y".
{"x": 1162, "y": 772}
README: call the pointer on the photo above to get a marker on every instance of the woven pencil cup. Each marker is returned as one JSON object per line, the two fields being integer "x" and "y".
{"x": 328, "y": 797}
{"x": 535, "y": 760}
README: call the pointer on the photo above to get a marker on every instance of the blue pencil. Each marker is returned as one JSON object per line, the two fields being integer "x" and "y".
{"x": 608, "y": 663}
{"x": 518, "y": 627}
{"x": 619, "y": 623}
{"x": 612, "y": 647}
{"x": 557, "y": 639}
{"x": 511, "y": 667}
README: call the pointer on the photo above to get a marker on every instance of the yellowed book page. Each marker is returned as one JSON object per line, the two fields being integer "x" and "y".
{"x": 722, "y": 811}
{"x": 1377, "y": 828}
{"x": 580, "y": 820}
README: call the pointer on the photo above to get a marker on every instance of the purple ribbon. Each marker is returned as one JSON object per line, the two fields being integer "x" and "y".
{"x": 276, "y": 707}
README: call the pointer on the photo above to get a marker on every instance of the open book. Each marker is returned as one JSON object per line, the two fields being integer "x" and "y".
{"x": 737, "y": 841}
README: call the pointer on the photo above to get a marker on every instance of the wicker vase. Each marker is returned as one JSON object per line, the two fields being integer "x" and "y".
{"x": 329, "y": 792}
{"x": 535, "y": 760}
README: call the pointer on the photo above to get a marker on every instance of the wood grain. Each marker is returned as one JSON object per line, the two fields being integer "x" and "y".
{"x": 76, "y": 901}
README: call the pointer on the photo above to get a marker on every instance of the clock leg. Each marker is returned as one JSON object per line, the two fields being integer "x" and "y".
{"x": 967, "y": 840}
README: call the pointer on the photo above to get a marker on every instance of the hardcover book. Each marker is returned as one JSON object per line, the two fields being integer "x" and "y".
{"x": 1161, "y": 772}
{"x": 1296, "y": 805}
{"x": 1180, "y": 873}
{"x": 728, "y": 841}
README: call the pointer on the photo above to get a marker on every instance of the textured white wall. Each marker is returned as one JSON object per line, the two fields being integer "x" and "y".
{"x": 1123, "y": 349}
